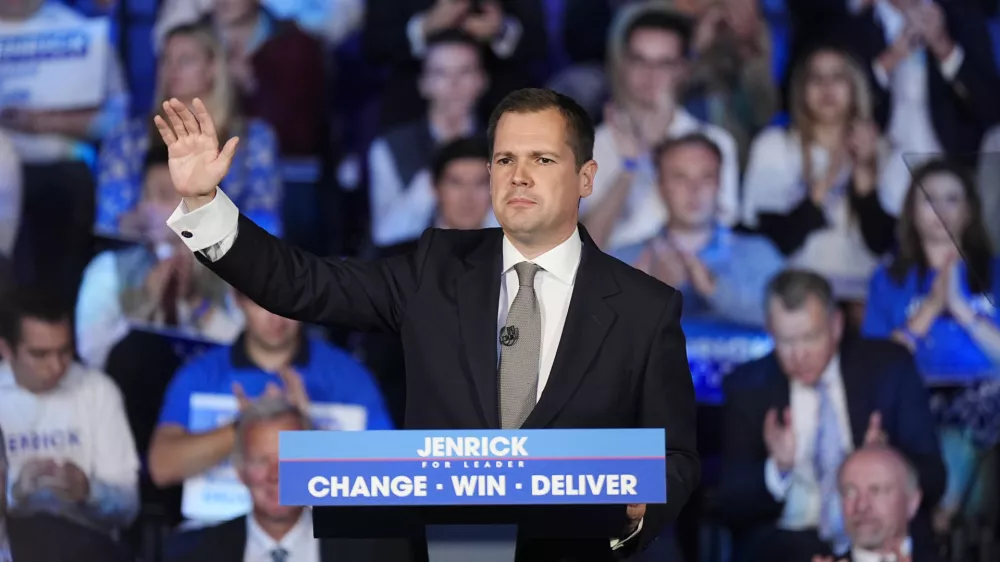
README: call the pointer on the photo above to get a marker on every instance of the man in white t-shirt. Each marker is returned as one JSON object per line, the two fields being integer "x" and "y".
{"x": 70, "y": 449}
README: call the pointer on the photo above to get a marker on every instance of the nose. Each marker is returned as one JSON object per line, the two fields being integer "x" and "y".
{"x": 521, "y": 176}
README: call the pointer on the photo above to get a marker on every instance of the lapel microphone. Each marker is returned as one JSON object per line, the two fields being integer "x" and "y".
{"x": 508, "y": 335}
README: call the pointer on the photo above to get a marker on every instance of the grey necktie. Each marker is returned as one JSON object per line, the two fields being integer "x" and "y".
{"x": 521, "y": 341}
{"x": 279, "y": 555}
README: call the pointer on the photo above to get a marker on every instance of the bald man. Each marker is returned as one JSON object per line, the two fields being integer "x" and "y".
{"x": 880, "y": 491}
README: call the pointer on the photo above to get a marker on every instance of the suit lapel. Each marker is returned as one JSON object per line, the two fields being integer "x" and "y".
{"x": 478, "y": 297}
{"x": 587, "y": 323}
{"x": 856, "y": 392}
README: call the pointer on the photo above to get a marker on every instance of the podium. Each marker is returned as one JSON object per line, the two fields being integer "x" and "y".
{"x": 473, "y": 495}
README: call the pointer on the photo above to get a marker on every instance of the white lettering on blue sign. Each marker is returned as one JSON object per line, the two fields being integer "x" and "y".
{"x": 583, "y": 485}
{"x": 451, "y": 447}
{"x": 54, "y": 441}
{"x": 367, "y": 487}
{"x": 478, "y": 485}
{"x": 44, "y": 46}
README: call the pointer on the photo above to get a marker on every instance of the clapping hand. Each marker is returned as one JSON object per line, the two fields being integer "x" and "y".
{"x": 485, "y": 26}
{"x": 875, "y": 435}
{"x": 294, "y": 391}
{"x": 702, "y": 278}
{"x": 196, "y": 164}
{"x": 780, "y": 439}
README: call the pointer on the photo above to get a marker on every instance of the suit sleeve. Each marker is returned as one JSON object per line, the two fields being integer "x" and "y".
{"x": 744, "y": 496}
{"x": 977, "y": 80}
{"x": 668, "y": 401}
{"x": 914, "y": 432}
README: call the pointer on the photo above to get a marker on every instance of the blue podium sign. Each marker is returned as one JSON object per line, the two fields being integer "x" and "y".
{"x": 442, "y": 468}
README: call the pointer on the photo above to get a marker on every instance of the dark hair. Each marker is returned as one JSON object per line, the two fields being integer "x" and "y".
{"x": 973, "y": 242}
{"x": 793, "y": 287}
{"x": 455, "y": 37}
{"x": 668, "y": 21}
{"x": 458, "y": 149}
{"x": 24, "y": 303}
{"x": 157, "y": 155}
{"x": 690, "y": 139}
{"x": 579, "y": 128}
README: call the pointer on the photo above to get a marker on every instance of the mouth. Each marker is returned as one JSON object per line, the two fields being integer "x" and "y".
{"x": 520, "y": 202}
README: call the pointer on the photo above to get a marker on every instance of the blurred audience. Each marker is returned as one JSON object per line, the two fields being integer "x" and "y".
{"x": 272, "y": 531}
{"x": 71, "y": 451}
{"x": 273, "y": 356}
{"x": 813, "y": 187}
{"x": 11, "y": 193}
{"x": 57, "y": 205}
{"x": 154, "y": 283}
{"x": 192, "y": 65}
{"x": 647, "y": 64}
{"x": 988, "y": 183}
{"x": 397, "y": 32}
{"x": 818, "y": 396}
{"x": 721, "y": 273}
{"x": 400, "y": 186}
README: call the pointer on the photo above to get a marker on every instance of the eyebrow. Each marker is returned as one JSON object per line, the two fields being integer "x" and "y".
{"x": 533, "y": 154}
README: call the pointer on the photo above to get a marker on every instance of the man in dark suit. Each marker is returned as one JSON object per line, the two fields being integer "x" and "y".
{"x": 815, "y": 398}
{"x": 610, "y": 352}
{"x": 272, "y": 531}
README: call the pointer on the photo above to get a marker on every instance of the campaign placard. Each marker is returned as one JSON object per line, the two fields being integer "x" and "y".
{"x": 46, "y": 65}
{"x": 523, "y": 467}
{"x": 219, "y": 495}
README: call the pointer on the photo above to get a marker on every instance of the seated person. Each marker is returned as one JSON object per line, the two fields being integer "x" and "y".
{"x": 272, "y": 353}
{"x": 720, "y": 272}
{"x": 29, "y": 538}
{"x": 70, "y": 447}
{"x": 272, "y": 531}
{"x": 154, "y": 282}
{"x": 192, "y": 65}
{"x": 402, "y": 199}
{"x": 880, "y": 492}
{"x": 928, "y": 297}
{"x": 816, "y": 398}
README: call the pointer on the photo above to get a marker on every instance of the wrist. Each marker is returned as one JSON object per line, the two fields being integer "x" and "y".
{"x": 942, "y": 48}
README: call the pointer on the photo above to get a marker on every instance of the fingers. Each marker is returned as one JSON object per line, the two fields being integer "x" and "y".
{"x": 204, "y": 119}
{"x": 272, "y": 390}
{"x": 229, "y": 150}
{"x": 875, "y": 421}
{"x": 636, "y": 511}
{"x": 165, "y": 132}
{"x": 190, "y": 123}
{"x": 771, "y": 420}
{"x": 241, "y": 396}
{"x": 788, "y": 417}
{"x": 175, "y": 120}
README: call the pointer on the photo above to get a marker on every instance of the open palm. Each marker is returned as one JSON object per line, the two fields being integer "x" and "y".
{"x": 196, "y": 164}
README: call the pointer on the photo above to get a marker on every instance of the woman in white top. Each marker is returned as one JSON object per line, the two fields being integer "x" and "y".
{"x": 812, "y": 187}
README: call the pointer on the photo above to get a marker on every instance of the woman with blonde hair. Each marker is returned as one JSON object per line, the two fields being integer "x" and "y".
{"x": 813, "y": 187}
{"x": 192, "y": 65}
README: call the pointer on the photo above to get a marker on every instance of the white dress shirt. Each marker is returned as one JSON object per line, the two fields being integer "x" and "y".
{"x": 299, "y": 542}
{"x": 644, "y": 212}
{"x": 800, "y": 488}
{"x": 862, "y": 555}
{"x": 81, "y": 421}
{"x": 213, "y": 228}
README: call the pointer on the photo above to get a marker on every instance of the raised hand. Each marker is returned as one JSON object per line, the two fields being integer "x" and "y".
{"x": 196, "y": 164}
{"x": 780, "y": 439}
{"x": 875, "y": 435}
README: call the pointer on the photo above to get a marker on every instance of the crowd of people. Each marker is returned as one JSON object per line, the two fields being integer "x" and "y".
{"x": 832, "y": 184}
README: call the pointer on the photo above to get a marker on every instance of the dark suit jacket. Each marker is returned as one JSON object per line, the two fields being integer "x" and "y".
{"x": 621, "y": 360}
{"x": 918, "y": 555}
{"x": 877, "y": 375}
{"x": 961, "y": 110}
{"x": 48, "y": 538}
{"x": 226, "y": 542}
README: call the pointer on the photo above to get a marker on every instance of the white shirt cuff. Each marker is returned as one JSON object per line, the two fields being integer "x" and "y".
{"x": 211, "y": 228}
{"x": 881, "y": 76}
{"x": 505, "y": 45}
{"x": 415, "y": 34}
{"x": 618, "y": 543}
{"x": 951, "y": 64}
{"x": 777, "y": 484}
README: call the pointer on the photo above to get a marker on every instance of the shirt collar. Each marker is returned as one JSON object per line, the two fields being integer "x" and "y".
{"x": 561, "y": 262}
{"x": 862, "y": 555}
{"x": 6, "y": 375}
{"x": 830, "y": 376}
{"x": 240, "y": 359}
{"x": 295, "y": 538}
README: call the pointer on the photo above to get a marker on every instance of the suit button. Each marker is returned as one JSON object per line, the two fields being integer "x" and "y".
{"x": 187, "y": 234}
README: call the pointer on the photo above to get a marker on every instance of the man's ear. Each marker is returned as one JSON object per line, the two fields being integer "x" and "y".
{"x": 587, "y": 174}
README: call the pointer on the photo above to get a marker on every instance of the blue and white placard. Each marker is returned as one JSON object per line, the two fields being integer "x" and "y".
{"x": 219, "y": 495}
{"x": 61, "y": 65}
{"x": 524, "y": 467}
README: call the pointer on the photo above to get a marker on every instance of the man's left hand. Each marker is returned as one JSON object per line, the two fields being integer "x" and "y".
{"x": 485, "y": 26}
{"x": 73, "y": 484}
{"x": 635, "y": 512}
{"x": 875, "y": 435}
{"x": 930, "y": 24}
{"x": 701, "y": 277}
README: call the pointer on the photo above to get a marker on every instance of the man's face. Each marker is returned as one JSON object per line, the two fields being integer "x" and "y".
{"x": 228, "y": 12}
{"x": 268, "y": 330}
{"x": 452, "y": 77}
{"x": 689, "y": 185}
{"x": 877, "y": 500}
{"x": 42, "y": 357}
{"x": 534, "y": 181}
{"x": 805, "y": 339}
{"x": 464, "y": 194}
{"x": 654, "y": 66}
{"x": 258, "y": 468}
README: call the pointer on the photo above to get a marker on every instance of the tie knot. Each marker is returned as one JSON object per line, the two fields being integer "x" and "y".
{"x": 279, "y": 555}
{"x": 526, "y": 273}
